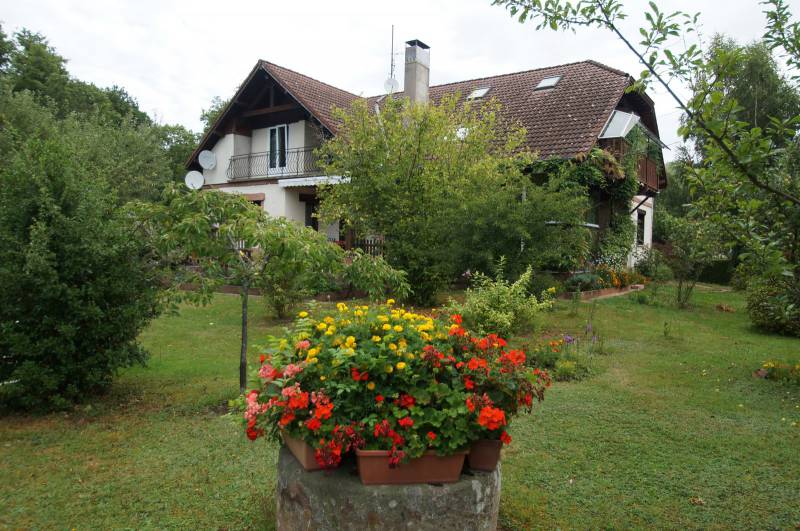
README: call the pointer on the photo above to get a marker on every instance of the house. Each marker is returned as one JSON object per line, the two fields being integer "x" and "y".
{"x": 263, "y": 140}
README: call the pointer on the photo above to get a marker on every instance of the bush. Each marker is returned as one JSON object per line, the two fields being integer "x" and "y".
{"x": 584, "y": 282}
{"x": 544, "y": 282}
{"x": 782, "y": 372}
{"x": 374, "y": 276}
{"x": 565, "y": 370}
{"x": 75, "y": 288}
{"x": 774, "y": 305}
{"x": 496, "y": 305}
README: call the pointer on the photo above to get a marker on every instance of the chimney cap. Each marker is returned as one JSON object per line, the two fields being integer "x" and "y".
{"x": 419, "y": 43}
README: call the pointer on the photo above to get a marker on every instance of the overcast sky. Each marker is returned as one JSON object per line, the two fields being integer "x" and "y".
{"x": 173, "y": 57}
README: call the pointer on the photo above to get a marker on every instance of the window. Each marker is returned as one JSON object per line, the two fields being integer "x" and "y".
{"x": 478, "y": 93}
{"x": 277, "y": 148}
{"x": 548, "y": 82}
{"x": 641, "y": 215}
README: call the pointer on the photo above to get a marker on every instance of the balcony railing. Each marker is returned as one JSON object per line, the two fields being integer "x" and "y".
{"x": 288, "y": 163}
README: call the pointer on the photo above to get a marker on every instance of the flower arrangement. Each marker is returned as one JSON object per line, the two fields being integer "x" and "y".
{"x": 384, "y": 378}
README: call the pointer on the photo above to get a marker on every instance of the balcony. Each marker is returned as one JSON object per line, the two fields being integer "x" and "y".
{"x": 273, "y": 164}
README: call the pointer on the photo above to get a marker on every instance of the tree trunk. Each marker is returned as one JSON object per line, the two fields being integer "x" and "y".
{"x": 243, "y": 356}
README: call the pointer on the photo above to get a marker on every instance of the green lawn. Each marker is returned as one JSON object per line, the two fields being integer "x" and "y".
{"x": 668, "y": 432}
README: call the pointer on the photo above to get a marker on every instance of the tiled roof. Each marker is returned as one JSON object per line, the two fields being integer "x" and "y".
{"x": 317, "y": 97}
{"x": 562, "y": 121}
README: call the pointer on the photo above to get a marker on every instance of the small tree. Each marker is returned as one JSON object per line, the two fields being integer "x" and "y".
{"x": 693, "y": 245}
{"x": 210, "y": 238}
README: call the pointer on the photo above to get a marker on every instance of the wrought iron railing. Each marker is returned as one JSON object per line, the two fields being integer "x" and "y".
{"x": 287, "y": 163}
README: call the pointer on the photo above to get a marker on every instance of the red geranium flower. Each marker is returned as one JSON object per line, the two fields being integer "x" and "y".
{"x": 469, "y": 385}
{"x": 262, "y": 358}
{"x": 405, "y": 401}
{"x": 299, "y": 400}
{"x": 323, "y": 410}
{"x": 287, "y": 417}
{"x": 470, "y": 404}
{"x": 456, "y": 318}
{"x": 313, "y": 424}
{"x": 505, "y": 437}
{"x": 406, "y": 422}
{"x": 492, "y": 418}
{"x": 378, "y": 398}
{"x": 431, "y": 436}
{"x": 476, "y": 363}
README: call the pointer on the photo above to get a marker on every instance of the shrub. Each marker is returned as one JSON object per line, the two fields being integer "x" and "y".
{"x": 388, "y": 379}
{"x": 584, "y": 282}
{"x": 565, "y": 370}
{"x": 374, "y": 276}
{"x": 75, "y": 287}
{"x": 774, "y": 305}
{"x": 782, "y": 372}
{"x": 496, "y": 305}
{"x": 544, "y": 282}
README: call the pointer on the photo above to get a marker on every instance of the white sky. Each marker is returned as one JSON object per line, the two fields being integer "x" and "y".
{"x": 173, "y": 57}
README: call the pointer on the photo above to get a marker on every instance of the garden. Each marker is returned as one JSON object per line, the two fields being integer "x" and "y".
{"x": 668, "y": 429}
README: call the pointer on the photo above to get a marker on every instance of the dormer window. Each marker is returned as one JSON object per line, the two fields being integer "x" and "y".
{"x": 478, "y": 93}
{"x": 548, "y": 82}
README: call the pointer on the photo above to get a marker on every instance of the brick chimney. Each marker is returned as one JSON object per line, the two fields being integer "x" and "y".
{"x": 418, "y": 66}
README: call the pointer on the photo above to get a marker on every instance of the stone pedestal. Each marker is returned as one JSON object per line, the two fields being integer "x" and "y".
{"x": 338, "y": 501}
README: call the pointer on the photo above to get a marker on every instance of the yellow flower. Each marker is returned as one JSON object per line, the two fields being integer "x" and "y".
{"x": 376, "y": 339}
{"x": 551, "y": 290}
{"x": 313, "y": 352}
{"x": 313, "y": 360}
{"x": 389, "y": 369}
{"x": 401, "y": 365}
{"x": 302, "y": 315}
{"x": 402, "y": 343}
{"x": 321, "y": 326}
{"x": 358, "y": 313}
{"x": 387, "y": 326}
{"x": 322, "y": 378}
{"x": 329, "y": 319}
{"x": 342, "y": 307}
{"x": 410, "y": 356}
{"x": 392, "y": 346}
{"x": 389, "y": 302}
{"x": 382, "y": 318}
{"x": 350, "y": 342}
{"x": 329, "y": 332}
{"x": 371, "y": 386}
{"x": 398, "y": 328}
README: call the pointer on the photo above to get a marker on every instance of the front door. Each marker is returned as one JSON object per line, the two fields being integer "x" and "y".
{"x": 277, "y": 137}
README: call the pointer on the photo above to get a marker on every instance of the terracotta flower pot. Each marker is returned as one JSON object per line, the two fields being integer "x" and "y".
{"x": 302, "y": 452}
{"x": 484, "y": 454}
{"x": 373, "y": 468}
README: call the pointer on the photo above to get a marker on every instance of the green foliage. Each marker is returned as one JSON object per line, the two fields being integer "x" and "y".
{"x": 774, "y": 304}
{"x": 75, "y": 287}
{"x": 210, "y": 115}
{"x": 693, "y": 245}
{"x": 583, "y": 282}
{"x": 373, "y": 276}
{"x": 781, "y": 371}
{"x": 444, "y": 185}
{"x": 545, "y": 282}
{"x": 495, "y": 305}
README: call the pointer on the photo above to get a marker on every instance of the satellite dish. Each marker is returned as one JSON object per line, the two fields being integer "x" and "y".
{"x": 194, "y": 180}
{"x": 391, "y": 85}
{"x": 207, "y": 159}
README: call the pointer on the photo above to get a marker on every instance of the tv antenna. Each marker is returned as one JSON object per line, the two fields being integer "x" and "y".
{"x": 391, "y": 85}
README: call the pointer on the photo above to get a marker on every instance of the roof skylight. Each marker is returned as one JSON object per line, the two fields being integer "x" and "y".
{"x": 548, "y": 82}
{"x": 478, "y": 93}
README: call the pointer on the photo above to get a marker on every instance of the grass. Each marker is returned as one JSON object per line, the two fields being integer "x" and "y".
{"x": 670, "y": 431}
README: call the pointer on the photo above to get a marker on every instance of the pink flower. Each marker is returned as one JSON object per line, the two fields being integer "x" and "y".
{"x": 292, "y": 370}
{"x": 303, "y": 345}
{"x": 268, "y": 373}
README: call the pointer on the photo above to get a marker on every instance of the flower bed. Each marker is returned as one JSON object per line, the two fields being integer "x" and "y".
{"x": 383, "y": 378}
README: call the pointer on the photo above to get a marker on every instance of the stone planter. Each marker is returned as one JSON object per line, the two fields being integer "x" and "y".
{"x": 484, "y": 454}
{"x": 301, "y": 451}
{"x": 373, "y": 468}
{"x": 338, "y": 500}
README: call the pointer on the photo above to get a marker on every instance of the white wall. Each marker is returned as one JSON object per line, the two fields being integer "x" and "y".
{"x": 223, "y": 150}
{"x": 647, "y": 208}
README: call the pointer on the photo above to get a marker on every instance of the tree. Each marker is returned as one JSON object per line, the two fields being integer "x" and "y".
{"x": 445, "y": 186}
{"x": 693, "y": 245}
{"x": 210, "y": 238}
{"x": 75, "y": 287}
{"x": 210, "y": 115}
